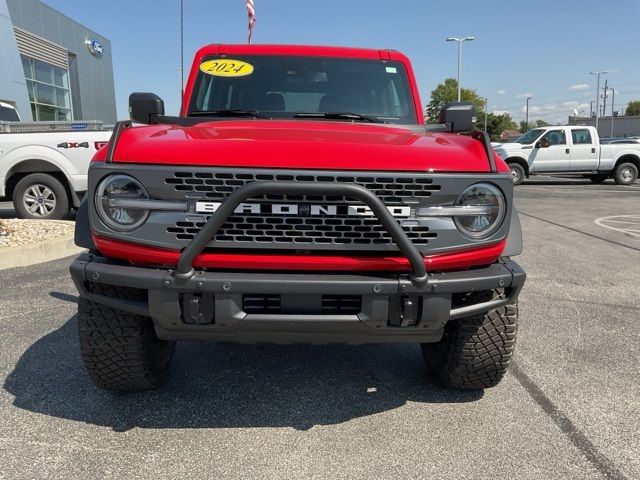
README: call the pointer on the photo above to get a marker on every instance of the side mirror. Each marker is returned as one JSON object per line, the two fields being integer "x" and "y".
{"x": 460, "y": 116}
{"x": 544, "y": 143}
{"x": 143, "y": 107}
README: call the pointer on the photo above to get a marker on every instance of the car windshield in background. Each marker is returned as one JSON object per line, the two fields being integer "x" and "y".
{"x": 334, "y": 89}
{"x": 8, "y": 114}
{"x": 529, "y": 137}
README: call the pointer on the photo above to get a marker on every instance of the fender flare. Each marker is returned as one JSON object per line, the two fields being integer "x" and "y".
{"x": 82, "y": 234}
{"x": 514, "y": 238}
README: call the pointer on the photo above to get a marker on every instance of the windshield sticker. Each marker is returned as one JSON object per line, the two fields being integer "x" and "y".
{"x": 392, "y": 70}
{"x": 226, "y": 67}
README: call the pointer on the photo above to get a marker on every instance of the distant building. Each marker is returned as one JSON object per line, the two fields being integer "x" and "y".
{"x": 622, "y": 126}
{"x": 53, "y": 68}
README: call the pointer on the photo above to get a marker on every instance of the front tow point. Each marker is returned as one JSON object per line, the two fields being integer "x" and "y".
{"x": 406, "y": 312}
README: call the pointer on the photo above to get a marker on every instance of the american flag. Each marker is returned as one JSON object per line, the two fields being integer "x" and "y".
{"x": 251, "y": 11}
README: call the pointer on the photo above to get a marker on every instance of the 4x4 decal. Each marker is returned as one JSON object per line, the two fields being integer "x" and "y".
{"x": 73, "y": 145}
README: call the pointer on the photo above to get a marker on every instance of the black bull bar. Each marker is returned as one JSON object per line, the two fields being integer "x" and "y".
{"x": 208, "y": 232}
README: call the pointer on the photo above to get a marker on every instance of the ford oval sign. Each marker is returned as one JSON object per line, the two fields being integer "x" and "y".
{"x": 95, "y": 47}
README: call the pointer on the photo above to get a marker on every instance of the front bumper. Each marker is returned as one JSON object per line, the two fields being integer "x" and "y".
{"x": 392, "y": 308}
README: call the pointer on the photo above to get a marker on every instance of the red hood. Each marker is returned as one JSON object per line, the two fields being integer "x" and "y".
{"x": 300, "y": 144}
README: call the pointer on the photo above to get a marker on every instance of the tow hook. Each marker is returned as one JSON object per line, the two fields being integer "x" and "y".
{"x": 405, "y": 311}
{"x": 197, "y": 309}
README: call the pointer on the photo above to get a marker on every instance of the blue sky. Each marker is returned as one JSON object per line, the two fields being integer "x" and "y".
{"x": 542, "y": 49}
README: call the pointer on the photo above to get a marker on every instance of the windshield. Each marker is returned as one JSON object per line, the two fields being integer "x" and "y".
{"x": 530, "y": 136}
{"x": 287, "y": 86}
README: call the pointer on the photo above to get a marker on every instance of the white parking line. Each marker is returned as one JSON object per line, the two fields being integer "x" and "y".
{"x": 620, "y": 221}
{"x": 594, "y": 191}
{"x": 611, "y": 222}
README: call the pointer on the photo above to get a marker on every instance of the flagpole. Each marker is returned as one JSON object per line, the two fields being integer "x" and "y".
{"x": 251, "y": 13}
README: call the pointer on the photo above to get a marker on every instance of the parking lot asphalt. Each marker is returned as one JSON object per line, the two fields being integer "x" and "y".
{"x": 568, "y": 408}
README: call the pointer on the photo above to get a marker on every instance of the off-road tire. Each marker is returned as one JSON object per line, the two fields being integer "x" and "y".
{"x": 120, "y": 350}
{"x": 518, "y": 173}
{"x": 59, "y": 197}
{"x": 474, "y": 352}
{"x": 597, "y": 177}
{"x": 626, "y": 174}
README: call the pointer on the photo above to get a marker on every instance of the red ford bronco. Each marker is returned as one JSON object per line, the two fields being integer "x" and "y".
{"x": 298, "y": 198}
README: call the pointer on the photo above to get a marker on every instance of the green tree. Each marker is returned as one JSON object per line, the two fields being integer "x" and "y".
{"x": 496, "y": 124}
{"x": 448, "y": 92}
{"x": 541, "y": 123}
{"x": 633, "y": 109}
{"x": 524, "y": 127}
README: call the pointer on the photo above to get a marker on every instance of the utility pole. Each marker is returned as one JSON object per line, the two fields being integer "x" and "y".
{"x": 527, "y": 114}
{"x": 460, "y": 40}
{"x": 604, "y": 72}
{"x": 613, "y": 102}
{"x": 591, "y": 109}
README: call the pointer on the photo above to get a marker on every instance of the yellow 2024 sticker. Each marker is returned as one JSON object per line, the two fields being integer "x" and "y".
{"x": 226, "y": 67}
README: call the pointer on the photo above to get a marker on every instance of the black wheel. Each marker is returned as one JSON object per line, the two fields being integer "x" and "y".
{"x": 597, "y": 177}
{"x": 40, "y": 196}
{"x": 626, "y": 174}
{"x": 518, "y": 173}
{"x": 474, "y": 352}
{"x": 120, "y": 350}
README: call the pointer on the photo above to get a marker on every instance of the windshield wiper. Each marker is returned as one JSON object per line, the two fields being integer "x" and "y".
{"x": 229, "y": 113}
{"x": 339, "y": 116}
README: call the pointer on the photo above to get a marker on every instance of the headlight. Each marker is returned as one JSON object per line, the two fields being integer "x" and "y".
{"x": 484, "y": 198}
{"x": 111, "y": 203}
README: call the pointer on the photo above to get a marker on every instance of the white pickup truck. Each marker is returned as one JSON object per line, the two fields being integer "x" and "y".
{"x": 43, "y": 165}
{"x": 570, "y": 150}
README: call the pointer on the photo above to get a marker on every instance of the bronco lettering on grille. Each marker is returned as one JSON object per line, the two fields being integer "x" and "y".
{"x": 303, "y": 210}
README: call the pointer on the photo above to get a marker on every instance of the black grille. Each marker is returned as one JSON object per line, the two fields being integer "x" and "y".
{"x": 390, "y": 188}
{"x": 298, "y": 231}
{"x": 301, "y": 231}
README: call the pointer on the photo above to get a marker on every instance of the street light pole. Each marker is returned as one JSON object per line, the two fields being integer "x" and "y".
{"x": 527, "y": 114}
{"x": 604, "y": 72}
{"x": 460, "y": 40}
{"x": 613, "y": 102}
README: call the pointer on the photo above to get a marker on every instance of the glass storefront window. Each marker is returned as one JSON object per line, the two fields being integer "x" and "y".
{"x": 45, "y": 112}
{"x": 43, "y": 71}
{"x": 32, "y": 91}
{"x": 63, "y": 114}
{"x": 26, "y": 66}
{"x": 62, "y": 97}
{"x": 48, "y": 88}
{"x": 60, "y": 77}
{"x": 45, "y": 94}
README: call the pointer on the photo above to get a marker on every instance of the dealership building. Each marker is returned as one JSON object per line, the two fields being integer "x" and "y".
{"x": 52, "y": 67}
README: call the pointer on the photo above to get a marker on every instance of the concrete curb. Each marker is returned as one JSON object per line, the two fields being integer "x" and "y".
{"x": 32, "y": 253}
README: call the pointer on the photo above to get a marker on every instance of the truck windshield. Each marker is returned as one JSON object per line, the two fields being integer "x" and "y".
{"x": 529, "y": 137}
{"x": 8, "y": 114}
{"x": 303, "y": 87}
